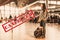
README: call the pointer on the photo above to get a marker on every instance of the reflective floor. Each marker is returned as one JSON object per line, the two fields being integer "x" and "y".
{"x": 26, "y": 32}
{"x": 52, "y": 31}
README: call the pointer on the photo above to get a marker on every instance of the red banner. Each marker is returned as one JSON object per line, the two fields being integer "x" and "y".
{"x": 28, "y": 15}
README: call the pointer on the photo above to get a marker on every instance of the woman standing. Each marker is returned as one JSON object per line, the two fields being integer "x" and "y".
{"x": 43, "y": 19}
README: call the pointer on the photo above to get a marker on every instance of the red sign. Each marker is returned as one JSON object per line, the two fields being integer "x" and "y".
{"x": 28, "y": 15}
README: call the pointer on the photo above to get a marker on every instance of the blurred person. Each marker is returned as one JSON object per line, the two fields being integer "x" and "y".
{"x": 40, "y": 31}
{"x": 43, "y": 18}
{"x": 43, "y": 21}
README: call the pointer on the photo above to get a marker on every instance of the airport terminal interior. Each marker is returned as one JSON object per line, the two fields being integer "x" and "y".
{"x": 45, "y": 25}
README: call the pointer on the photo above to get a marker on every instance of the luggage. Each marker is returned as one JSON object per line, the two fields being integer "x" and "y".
{"x": 38, "y": 32}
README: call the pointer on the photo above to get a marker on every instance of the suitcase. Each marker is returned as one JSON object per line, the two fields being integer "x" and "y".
{"x": 38, "y": 32}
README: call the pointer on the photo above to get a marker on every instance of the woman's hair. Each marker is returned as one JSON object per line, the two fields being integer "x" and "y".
{"x": 44, "y": 7}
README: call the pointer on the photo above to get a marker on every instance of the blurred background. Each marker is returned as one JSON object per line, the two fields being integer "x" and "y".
{"x": 9, "y": 9}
